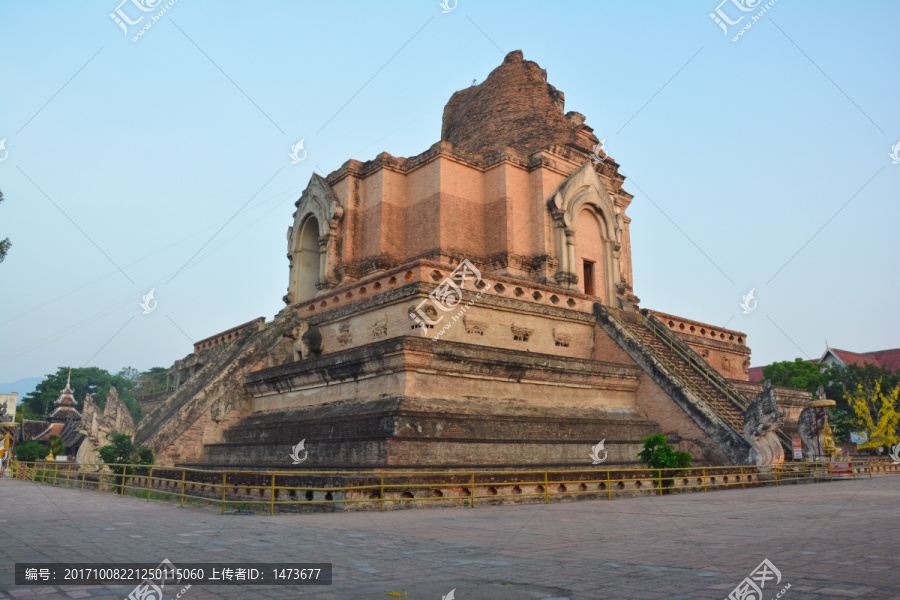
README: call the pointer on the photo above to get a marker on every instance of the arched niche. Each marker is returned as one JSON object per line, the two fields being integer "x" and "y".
{"x": 308, "y": 258}
{"x": 587, "y": 229}
{"x": 591, "y": 253}
{"x": 313, "y": 242}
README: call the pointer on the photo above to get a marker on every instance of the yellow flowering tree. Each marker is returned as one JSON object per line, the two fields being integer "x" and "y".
{"x": 877, "y": 413}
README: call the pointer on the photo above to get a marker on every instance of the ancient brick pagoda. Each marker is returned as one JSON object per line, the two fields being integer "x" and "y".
{"x": 471, "y": 305}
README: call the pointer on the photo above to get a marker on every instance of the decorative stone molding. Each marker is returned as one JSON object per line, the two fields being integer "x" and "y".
{"x": 379, "y": 329}
{"x": 521, "y": 334}
{"x": 320, "y": 202}
{"x": 473, "y": 326}
{"x": 345, "y": 336}
{"x": 584, "y": 189}
{"x": 562, "y": 338}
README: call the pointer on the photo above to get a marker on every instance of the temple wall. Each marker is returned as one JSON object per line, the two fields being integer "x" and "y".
{"x": 422, "y": 209}
{"x": 406, "y": 210}
{"x": 315, "y": 393}
{"x": 394, "y": 215}
{"x": 474, "y": 388}
{"x": 462, "y": 207}
{"x": 608, "y": 350}
{"x": 371, "y": 211}
{"x": 653, "y": 402}
{"x": 500, "y": 190}
{"x": 724, "y": 349}
{"x": 541, "y": 234}
{"x": 496, "y": 319}
{"x": 726, "y": 359}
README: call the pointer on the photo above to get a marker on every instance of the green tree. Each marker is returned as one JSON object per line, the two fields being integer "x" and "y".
{"x": 122, "y": 452}
{"x": 57, "y": 445}
{"x": 837, "y": 380}
{"x": 86, "y": 380}
{"x": 31, "y": 451}
{"x": 152, "y": 381}
{"x": 23, "y": 412}
{"x": 5, "y": 244}
{"x": 800, "y": 374}
{"x": 666, "y": 461}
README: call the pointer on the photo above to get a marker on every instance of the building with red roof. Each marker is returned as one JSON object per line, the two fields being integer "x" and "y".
{"x": 887, "y": 359}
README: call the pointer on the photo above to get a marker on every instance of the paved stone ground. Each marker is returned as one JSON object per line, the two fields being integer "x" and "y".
{"x": 829, "y": 540}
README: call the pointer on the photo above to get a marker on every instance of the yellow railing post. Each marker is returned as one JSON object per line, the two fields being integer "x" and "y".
{"x": 272, "y": 496}
{"x": 743, "y": 479}
{"x": 149, "y": 483}
{"x": 546, "y": 487}
{"x": 659, "y": 476}
{"x": 608, "y": 485}
{"x": 381, "y": 492}
{"x": 830, "y": 472}
{"x": 473, "y": 489}
{"x": 100, "y": 480}
{"x": 224, "y": 475}
{"x": 776, "y": 477}
{"x": 83, "y": 472}
{"x": 68, "y": 475}
{"x": 705, "y": 488}
{"x": 183, "y": 473}
{"x": 55, "y": 474}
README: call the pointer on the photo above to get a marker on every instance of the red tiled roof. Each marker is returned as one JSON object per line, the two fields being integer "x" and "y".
{"x": 755, "y": 374}
{"x": 53, "y": 429}
{"x": 33, "y": 428}
{"x": 888, "y": 359}
{"x": 852, "y": 358}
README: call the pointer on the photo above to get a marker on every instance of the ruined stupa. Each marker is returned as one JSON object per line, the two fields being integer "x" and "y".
{"x": 471, "y": 305}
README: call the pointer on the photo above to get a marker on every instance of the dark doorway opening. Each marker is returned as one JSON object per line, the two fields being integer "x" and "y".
{"x": 589, "y": 277}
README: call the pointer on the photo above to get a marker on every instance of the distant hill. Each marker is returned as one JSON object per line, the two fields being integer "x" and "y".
{"x": 23, "y": 386}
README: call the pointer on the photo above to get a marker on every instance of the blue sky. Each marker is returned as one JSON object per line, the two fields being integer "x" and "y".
{"x": 761, "y": 163}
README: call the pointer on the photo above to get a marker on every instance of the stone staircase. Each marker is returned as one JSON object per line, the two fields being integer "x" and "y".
{"x": 695, "y": 376}
{"x": 711, "y": 402}
{"x": 214, "y": 393}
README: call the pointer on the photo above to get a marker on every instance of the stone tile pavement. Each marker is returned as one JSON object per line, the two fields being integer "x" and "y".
{"x": 830, "y": 541}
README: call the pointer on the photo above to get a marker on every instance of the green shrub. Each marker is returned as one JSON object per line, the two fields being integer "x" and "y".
{"x": 57, "y": 445}
{"x": 123, "y": 452}
{"x": 665, "y": 461}
{"x": 31, "y": 451}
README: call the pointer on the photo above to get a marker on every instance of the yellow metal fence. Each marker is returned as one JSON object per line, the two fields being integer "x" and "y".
{"x": 291, "y": 491}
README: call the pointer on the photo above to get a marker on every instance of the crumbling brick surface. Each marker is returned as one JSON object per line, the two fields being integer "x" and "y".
{"x": 514, "y": 106}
